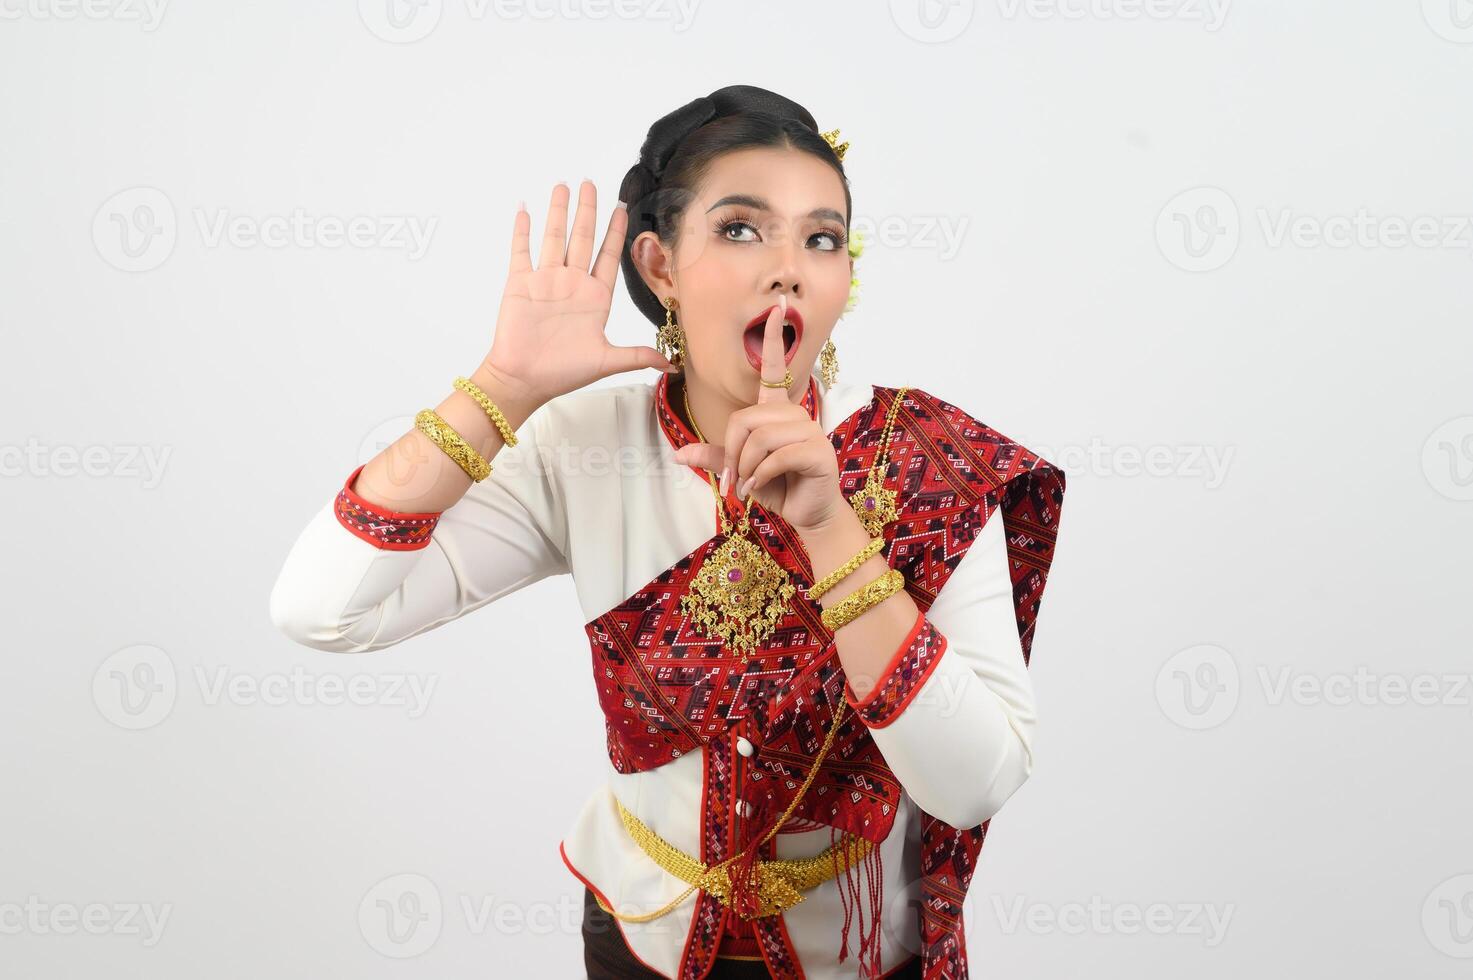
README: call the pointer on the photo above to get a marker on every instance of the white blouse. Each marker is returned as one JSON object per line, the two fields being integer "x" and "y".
{"x": 592, "y": 490}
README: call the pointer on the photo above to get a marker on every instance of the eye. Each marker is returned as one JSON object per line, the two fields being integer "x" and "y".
{"x": 731, "y": 223}
{"x": 837, "y": 239}
{"x": 745, "y": 224}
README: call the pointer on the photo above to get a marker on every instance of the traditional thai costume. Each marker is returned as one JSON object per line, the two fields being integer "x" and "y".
{"x": 709, "y": 746}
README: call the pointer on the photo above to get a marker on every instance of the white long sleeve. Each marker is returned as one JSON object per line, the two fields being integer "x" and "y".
{"x": 342, "y": 593}
{"x": 961, "y": 741}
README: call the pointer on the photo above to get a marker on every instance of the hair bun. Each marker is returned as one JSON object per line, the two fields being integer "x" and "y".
{"x": 669, "y": 130}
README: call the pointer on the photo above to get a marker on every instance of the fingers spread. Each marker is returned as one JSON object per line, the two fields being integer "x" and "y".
{"x": 555, "y": 235}
{"x": 580, "y": 248}
{"x": 521, "y": 253}
{"x": 606, "y": 268}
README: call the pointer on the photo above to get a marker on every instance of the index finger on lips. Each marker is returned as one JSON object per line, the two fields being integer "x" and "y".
{"x": 773, "y": 368}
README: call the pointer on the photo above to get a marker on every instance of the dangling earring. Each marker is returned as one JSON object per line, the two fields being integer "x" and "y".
{"x": 828, "y": 363}
{"x": 670, "y": 339}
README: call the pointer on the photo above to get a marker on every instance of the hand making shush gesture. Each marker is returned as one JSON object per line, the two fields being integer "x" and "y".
{"x": 774, "y": 450}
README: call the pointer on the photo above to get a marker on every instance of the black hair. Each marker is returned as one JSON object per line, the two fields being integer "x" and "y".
{"x": 678, "y": 152}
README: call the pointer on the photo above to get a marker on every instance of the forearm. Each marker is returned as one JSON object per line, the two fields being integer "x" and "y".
{"x": 867, "y": 643}
{"x": 414, "y": 475}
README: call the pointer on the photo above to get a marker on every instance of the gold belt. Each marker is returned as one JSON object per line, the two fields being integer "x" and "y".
{"x": 779, "y": 882}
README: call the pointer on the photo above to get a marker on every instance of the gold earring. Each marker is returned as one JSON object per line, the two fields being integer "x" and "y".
{"x": 828, "y": 363}
{"x": 670, "y": 339}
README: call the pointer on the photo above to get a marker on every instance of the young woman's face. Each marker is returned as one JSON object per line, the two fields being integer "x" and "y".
{"x": 766, "y": 222}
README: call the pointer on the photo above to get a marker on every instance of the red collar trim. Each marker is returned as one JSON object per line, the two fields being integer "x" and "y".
{"x": 679, "y": 434}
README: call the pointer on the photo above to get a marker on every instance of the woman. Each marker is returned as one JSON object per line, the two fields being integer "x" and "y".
{"x": 810, "y": 608}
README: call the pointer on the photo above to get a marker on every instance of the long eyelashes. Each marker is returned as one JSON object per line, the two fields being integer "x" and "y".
{"x": 839, "y": 238}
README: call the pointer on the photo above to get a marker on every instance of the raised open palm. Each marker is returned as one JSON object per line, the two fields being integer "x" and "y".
{"x": 550, "y": 328}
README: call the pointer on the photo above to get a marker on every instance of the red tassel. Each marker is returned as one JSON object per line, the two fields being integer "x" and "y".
{"x": 745, "y": 900}
{"x": 873, "y": 869}
{"x": 844, "y": 881}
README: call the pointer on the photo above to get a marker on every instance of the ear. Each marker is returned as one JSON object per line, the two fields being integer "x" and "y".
{"x": 653, "y": 263}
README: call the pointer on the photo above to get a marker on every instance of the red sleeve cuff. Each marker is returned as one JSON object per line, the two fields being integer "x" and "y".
{"x": 902, "y": 677}
{"x": 382, "y": 528}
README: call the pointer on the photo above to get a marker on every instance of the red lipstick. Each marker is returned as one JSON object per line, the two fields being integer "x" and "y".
{"x": 792, "y": 335}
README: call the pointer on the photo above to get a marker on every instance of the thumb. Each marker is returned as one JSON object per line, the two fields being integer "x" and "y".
{"x": 636, "y": 358}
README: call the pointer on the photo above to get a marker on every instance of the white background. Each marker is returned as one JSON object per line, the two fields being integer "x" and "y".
{"x": 1167, "y": 243}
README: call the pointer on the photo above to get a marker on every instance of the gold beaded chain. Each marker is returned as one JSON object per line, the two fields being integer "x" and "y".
{"x": 873, "y": 502}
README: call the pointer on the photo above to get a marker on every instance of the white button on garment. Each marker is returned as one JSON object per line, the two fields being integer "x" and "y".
{"x": 744, "y": 747}
{"x": 744, "y": 809}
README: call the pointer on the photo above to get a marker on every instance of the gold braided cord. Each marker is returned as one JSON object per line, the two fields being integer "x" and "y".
{"x": 773, "y": 888}
{"x": 861, "y": 600}
{"x": 502, "y": 425}
{"x": 779, "y": 882}
{"x": 441, "y": 434}
{"x": 883, "y": 457}
{"x": 832, "y": 578}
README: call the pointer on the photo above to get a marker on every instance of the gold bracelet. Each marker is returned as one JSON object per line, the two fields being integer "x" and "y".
{"x": 862, "y": 599}
{"x": 832, "y": 578}
{"x": 431, "y": 424}
{"x": 502, "y": 425}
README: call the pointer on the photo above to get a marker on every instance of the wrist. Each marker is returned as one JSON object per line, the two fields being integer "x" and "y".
{"x": 516, "y": 400}
{"x": 833, "y": 542}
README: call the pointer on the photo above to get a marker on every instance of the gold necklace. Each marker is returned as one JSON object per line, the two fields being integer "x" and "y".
{"x": 740, "y": 594}
{"x": 874, "y": 502}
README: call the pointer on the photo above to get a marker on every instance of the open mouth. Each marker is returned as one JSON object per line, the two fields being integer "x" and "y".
{"x": 792, "y": 336}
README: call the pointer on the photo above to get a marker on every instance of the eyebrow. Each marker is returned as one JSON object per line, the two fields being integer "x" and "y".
{"x": 761, "y": 204}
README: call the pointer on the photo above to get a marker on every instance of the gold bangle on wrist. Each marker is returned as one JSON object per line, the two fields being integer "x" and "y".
{"x": 439, "y": 431}
{"x": 502, "y": 425}
{"x": 863, "y": 599}
{"x": 832, "y": 578}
